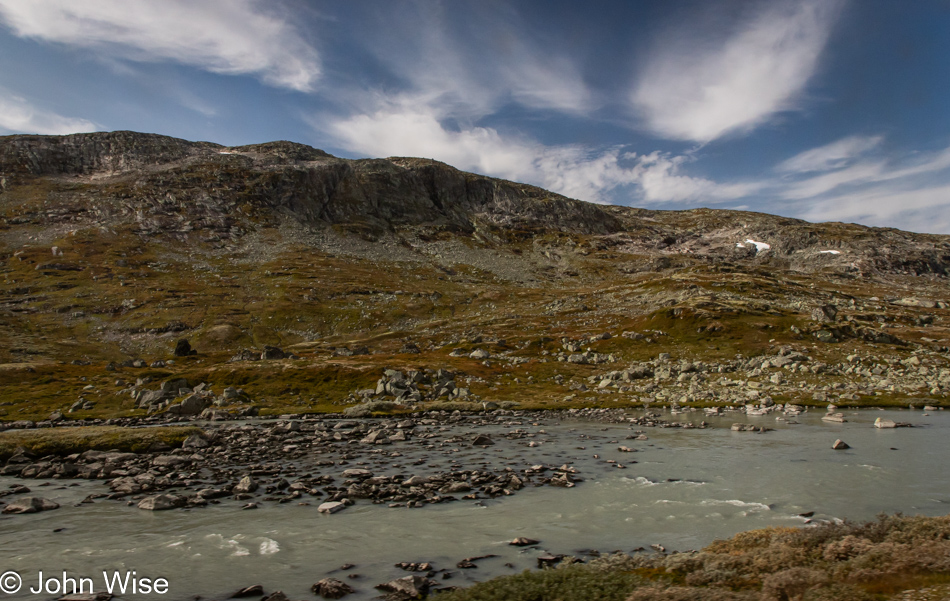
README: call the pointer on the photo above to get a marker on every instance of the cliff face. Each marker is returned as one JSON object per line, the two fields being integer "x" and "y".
{"x": 310, "y": 183}
{"x": 159, "y": 183}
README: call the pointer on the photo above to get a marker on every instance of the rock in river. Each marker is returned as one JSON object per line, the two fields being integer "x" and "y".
{"x": 408, "y": 587}
{"x": 161, "y": 502}
{"x": 30, "y": 505}
{"x": 246, "y": 485}
{"x": 331, "y": 588}
{"x": 840, "y": 445}
{"x": 331, "y": 507}
{"x": 523, "y": 542}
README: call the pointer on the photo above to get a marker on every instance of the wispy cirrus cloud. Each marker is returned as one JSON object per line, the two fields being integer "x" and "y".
{"x": 830, "y": 156}
{"x": 690, "y": 91}
{"x": 845, "y": 173}
{"x": 17, "y": 115}
{"x": 471, "y": 69}
{"x": 234, "y": 37}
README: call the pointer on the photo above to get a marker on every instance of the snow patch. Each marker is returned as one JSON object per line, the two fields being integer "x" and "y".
{"x": 759, "y": 246}
{"x": 830, "y": 252}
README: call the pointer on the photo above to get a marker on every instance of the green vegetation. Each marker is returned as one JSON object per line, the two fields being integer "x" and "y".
{"x": 874, "y": 561}
{"x": 66, "y": 441}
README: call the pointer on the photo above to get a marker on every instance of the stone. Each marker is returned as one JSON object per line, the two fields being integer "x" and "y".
{"x": 193, "y": 405}
{"x": 100, "y": 596}
{"x": 456, "y": 487}
{"x": 482, "y": 440}
{"x": 276, "y": 596}
{"x": 331, "y": 507}
{"x": 254, "y": 590}
{"x": 195, "y": 441}
{"x": 246, "y": 485}
{"x": 412, "y": 587}
{"x": 357, "y": 473}
{"x": 840, "y": 445}
{"x": 480, "y": 354}
{"x": 183, "y": 349}
{"x": 523, "y": 542}
{"x": 30, "y": 505}
{"x": 331, "y": 588}
{"x": 174, "y": 385}
{"x": 884, "y": 423}
{"x": 824, "y": 313}
{"x": 161, "y": 502}
{"x": 272, "y": 352}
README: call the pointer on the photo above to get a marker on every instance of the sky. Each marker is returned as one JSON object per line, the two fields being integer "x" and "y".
{"x": 825, "y": 110}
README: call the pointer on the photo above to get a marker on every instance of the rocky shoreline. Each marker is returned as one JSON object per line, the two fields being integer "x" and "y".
{"x": 334, "y": 461}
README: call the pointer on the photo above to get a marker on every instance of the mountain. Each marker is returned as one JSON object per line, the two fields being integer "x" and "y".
{"x": 115, "y": 245}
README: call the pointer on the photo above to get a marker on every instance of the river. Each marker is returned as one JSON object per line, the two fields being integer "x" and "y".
{"x": 682, "y": 488}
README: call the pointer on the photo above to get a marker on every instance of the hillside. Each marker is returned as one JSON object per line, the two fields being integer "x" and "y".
{"x": 114, "y": 246}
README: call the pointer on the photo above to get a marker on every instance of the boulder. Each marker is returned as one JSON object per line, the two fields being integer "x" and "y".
{"x": 272, "y": 352}
{"x": 254, "y": 590}
{"x": 193, "y": 405}
{"x": 331, "y": 507}
{"x": 884, "y": 423}
{"x": 523, "y": 542}
{"x": 357, "y": 473}
{"x": 161, "y": 502}
{"x": 195, "y": 441}
{"x": 246, "y": 485}
{"x": 824, "y": 313}
{"x": 30, "y": 505}
{"x": 409, "y": 587}
{"x": 331, "y": 588}
{"x": 840, "y": 445}
{"x": 482, "y": 440}
{"x": 183, "y": 348}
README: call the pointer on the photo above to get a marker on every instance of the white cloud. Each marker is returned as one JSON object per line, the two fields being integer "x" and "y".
{"x": 660, "y": 177}
{"x": 690, "y": 92}
{"x": 234, "y": 37}
{"x": 865, "y": 173}
{"x": 920, "y": 209}
{"x": 19, "y": 116}
{"x": 831, "y": 156}
{"x": 406, "y": 130}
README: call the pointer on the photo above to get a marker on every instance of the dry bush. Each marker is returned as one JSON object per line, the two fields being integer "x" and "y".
{"x": 792, "y": 584}
{"x": 682, "y": 593}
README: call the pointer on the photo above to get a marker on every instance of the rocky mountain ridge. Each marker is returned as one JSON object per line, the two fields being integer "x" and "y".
{"x": 115, "y": 246}
{"x": 204, "y": 183}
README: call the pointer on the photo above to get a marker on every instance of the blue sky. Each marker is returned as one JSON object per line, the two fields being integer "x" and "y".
{"x": 827, "y": 110}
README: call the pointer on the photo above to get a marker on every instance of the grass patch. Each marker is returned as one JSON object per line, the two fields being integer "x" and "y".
{"x": 573, "y": 583}
{"x": 66, "y": 441}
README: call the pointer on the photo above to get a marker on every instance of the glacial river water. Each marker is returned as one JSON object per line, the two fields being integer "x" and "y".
{"x": 683, "y": 488}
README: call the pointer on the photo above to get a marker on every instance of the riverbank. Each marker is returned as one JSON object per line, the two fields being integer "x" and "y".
{"x": 676, "y": 487}
{"x": 893, "y": 557}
